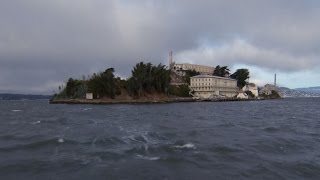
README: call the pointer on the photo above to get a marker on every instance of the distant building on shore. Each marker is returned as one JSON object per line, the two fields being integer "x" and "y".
{"x": 268, "y": 88}
{"x": 213, "y": 87}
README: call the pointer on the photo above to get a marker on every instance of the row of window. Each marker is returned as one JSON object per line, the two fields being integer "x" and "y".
{"x": 203, "y": 88}
{"x": 213, "y": 88}
{"x": 199, "y": 84}
{"x": 203, "y": 79}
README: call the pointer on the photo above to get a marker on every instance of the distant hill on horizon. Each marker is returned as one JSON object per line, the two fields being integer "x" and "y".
{"x": 310, "y": 89}
{"x": 300, "y": 92}
{"x": 9, "y": 96}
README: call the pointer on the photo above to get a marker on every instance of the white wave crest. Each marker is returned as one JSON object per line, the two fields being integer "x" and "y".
{"x": 148, "y": 158}
{"x": 87, "y": 109}
{"x": 185, "y": 146}
{"x": 16, "y": 110}
{"x": 36, "y": 122}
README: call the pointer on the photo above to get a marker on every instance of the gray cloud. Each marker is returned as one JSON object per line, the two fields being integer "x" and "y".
{"x": 42, "y": 43}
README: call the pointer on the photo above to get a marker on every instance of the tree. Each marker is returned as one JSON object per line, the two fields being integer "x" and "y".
{"x": 223, "y": 71}
{"x": 103, "y": 84}
{"x": 74, "y": 88}
{"x": 180, "y": 91}
{"x": 241, "y": 75}
{"x": 190, "y": 73}
{"x": 70, "y": 87}
{"x": 148, "y": 78}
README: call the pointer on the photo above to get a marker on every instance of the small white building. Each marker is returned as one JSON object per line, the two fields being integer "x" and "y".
{"x": 213, "y": 87}
{"x": 267, "y": 89}
{"x": 89, "y": 96}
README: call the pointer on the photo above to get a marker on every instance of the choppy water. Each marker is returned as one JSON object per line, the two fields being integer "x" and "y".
{"x": 276, "y": 139}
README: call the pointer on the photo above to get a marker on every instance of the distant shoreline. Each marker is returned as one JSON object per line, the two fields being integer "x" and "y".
{"x": 141, "y": 101}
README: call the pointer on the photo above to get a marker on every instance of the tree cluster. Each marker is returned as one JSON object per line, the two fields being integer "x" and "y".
{"x": 104, "y": 84}
{"x": 180, "y": 90}
{"x": 189, "y": 74}
{"x": 75, "y": 88}
{"x": 222, "y": 71}
{"x": 147, "y": 77}
{"x": 241, "y": 75}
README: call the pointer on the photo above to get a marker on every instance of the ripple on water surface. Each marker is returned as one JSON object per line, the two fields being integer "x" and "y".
{"x": 229, "y": 140}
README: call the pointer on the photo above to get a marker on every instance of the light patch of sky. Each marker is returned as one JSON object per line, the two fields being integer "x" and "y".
{"x": 261, "y": 76}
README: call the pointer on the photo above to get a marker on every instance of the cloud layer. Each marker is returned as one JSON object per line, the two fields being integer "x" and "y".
{"x": 42, "y": 43}
{"x": 241, "y": 52}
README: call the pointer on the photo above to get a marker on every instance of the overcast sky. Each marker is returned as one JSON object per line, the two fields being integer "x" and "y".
{"x": 44, "y": 42}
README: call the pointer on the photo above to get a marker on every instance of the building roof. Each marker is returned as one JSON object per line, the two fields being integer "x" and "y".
{"x": 210, "y": 76}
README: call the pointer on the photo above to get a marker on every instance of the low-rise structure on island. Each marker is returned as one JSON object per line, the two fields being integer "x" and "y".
{"x": 270, "y": 91}
{"x": 267, "y": 89}
{"x": 203, "y": 70}
{"x": 89, "y": 96}
{"x": 213, "y": 87}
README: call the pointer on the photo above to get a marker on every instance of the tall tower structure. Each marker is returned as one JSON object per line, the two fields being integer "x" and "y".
{"x": 170, "y": 60}
{"x": 275, "y": 79}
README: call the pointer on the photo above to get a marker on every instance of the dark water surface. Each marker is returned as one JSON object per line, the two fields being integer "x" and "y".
{"x": 276, "y": 139}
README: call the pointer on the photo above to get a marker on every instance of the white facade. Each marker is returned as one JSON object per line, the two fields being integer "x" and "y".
{"x": 89, "y": 95}
{"x": 204, "y": 70}
{"x": 212, "y": 87}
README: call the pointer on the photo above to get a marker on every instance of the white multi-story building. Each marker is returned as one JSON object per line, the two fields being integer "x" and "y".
{"x": 212, "y": 87}
{"x": 204, "y": 70}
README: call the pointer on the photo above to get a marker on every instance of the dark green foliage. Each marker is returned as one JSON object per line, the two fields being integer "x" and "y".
{"x": 180, "y": 91}
{"x": 75, "y": 88}
{"x": 274, "y": 95}
{"x": 223, "y": 71}
{"x": 70, "y": 87}
{"x": 103, "y": 84}
{"x": 189, "y": 73}
{"x": 148, "y": 78}
{"x": 120, "y": 84}
{"x": 250, "y": 94}
{"x": 241, "y": 75}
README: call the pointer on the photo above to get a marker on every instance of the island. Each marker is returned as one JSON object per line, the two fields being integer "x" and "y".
{"x": 150, "y": 83}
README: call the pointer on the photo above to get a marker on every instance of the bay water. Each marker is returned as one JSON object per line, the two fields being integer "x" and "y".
{"x": 274, "y": 139}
